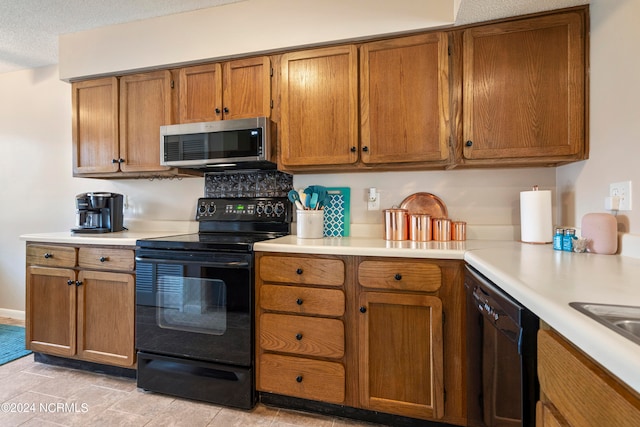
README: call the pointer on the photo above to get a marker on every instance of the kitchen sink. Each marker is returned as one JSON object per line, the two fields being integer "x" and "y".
{"x": 623, "y": 319}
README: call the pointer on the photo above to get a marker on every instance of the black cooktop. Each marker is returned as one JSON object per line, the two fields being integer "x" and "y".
{"x": 234, "y": 242}
{"x": 231, "y": 224}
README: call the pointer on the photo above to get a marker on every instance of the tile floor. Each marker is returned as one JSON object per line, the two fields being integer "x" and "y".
{"x": 54, "y": 396}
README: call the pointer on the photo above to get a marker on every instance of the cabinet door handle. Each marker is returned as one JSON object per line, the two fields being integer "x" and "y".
{"x": 363, "y": 309}
{"x": 217, "y": 110}
{"x": 299, "y": 271}
{"x": 78, "y": 283}
{"x": 299, "y": 378}
{"x": 365, "y": 149}
{"x": 48, "y": 255}
{"x": 103, "y": 259}
{"x": 353, "y": 149}
{"x": 469, "y": 143}
{"x": 299, "y": 301}
{"x": 226, "y": 110}
{"x": 70, "y": 282}
{"x": 114, "y": 161}
{"x": 398, "y": 276}
{"x": 298, "y": 336}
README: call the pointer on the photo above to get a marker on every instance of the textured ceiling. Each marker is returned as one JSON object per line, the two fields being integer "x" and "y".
{"x": 29, "y": 29}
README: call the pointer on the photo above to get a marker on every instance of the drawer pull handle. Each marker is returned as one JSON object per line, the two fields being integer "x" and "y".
{"x": 299, "y": 301}
{"x": 70, "y": 282}
{"x": 103, "y": 259}
{"x": 298, "y": 337}
{"x": 363, "y": 309}
{"x": 299, "y": 378}
{"x": 398, "y": 276}
{"x": 299, "y": 271}
{"x": 48, "y": 255}
{"x": 78, "y": 283}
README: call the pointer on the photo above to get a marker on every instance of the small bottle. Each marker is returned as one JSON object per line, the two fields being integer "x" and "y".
{"x": 567, "y": 239}
{"x": 557, "y": 239}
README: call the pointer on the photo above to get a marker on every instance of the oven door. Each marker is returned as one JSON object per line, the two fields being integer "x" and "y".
{"x": 195, "y": 305}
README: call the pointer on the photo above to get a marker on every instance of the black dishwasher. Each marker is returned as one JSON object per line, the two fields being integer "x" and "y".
{"x": 502, "y": 384}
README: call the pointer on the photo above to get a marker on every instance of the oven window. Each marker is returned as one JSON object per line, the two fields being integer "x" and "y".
{"x": 192, "y": 304}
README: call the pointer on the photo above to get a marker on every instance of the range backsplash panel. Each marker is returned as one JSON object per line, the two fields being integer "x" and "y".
{"x": 250, "y": 183}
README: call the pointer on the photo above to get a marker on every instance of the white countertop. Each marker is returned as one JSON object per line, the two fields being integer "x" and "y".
{"x": 136, "y": 230}
{"x": 120, "y": 238}
{"x": 542, "y": 279}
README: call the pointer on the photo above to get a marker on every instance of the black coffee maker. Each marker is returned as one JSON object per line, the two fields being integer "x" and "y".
{"x": 99, "y": 213}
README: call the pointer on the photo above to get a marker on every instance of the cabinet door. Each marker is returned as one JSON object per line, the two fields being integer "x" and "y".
{"x": 200, "y": 93}
{"x": 106, "y": 317}
{"x": 145, "y": 105}
{"x": 319, "y": 107}
{"x": 247, "y": 88}
{"x": 94, "y": 128}
{"x": 404, "y": 100}
{"x": 401, "y": 367}
{"x": 524, "y": 89}
{"x": 51, "y": 310}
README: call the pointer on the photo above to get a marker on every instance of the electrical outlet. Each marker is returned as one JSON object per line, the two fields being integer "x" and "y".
{"x": 622, "y": 190}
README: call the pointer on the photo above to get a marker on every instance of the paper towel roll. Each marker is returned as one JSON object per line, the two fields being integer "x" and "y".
{"x": 535, "y": 217}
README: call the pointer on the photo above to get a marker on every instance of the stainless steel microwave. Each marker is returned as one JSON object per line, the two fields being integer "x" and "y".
{"x": 219, "y": 145}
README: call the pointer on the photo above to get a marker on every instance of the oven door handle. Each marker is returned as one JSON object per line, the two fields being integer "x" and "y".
{"x": 232, "y": 264}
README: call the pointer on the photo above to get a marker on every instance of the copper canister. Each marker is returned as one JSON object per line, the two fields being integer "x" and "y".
{"x": 458, "y": 230}
{"x": 419, "y": 227}
{"x": 441, "y": 229}
{"x": 396, "y": 224}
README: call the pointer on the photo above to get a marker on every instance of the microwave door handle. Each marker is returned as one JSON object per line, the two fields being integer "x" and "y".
{"x": 233, "y": 264}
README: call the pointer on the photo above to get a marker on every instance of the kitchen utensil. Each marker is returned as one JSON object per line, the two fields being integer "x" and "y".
{"x": 441, "y": 228}
{"x": 294, "y": 197}
{"x": 303, "y": 197}
{"x": 458, "y": 230}
{"x": 420, "y": 227}
{"x": 313, "y": 204}
{"x": 396, "y": 224}
{"x": 310, "y": 224}
{"x": 425, "y": 203}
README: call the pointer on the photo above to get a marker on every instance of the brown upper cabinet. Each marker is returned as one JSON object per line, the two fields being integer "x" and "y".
{"x": 524, "y": 98}
{"x": 223, "y": 91}
{"x": 145, "y": 105}
{"x": 116, "y": 125}
{"x": 404, "y": 100}
{"x": 404, "y": 104}
{"x": 95, "y": 126}
{"x": 319, "y": 107}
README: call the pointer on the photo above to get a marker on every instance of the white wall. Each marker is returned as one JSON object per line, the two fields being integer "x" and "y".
{"x": 615, "y": 117}
{"x": 37, "y": 191}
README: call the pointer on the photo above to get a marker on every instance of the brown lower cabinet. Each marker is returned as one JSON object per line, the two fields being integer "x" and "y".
{"x": 81, "y": 303}
{"x": 363, "y": 332}
{"x": 576, "y": 391}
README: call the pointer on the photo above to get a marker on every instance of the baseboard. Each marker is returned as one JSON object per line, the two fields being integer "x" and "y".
{"x": 12, "y": 314}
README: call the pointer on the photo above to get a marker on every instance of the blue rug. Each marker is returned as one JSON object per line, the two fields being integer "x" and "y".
{"x": 12, "y": 343}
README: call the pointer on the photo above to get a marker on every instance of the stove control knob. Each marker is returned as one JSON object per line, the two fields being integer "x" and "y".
{"x": 279, "y": 209}
{"x": 211, "y": 209}
{"x": 260, "y": 209}
{"x": 268, "y": 209}
{"x": 202, "y": 209}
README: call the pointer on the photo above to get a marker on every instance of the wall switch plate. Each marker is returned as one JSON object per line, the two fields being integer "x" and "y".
{"x": 622, "y": 190}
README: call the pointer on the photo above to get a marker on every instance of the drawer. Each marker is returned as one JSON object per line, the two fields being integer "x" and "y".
{"x": 301, "y": 300}
{"x": 303, "y": 378}
{"x": 312, "y": 336}
{"x": 298, "y": 270}
{"x": 106, "y": 258}
{"x": 51, "y": 256}
{"x": 401, "y": 275}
